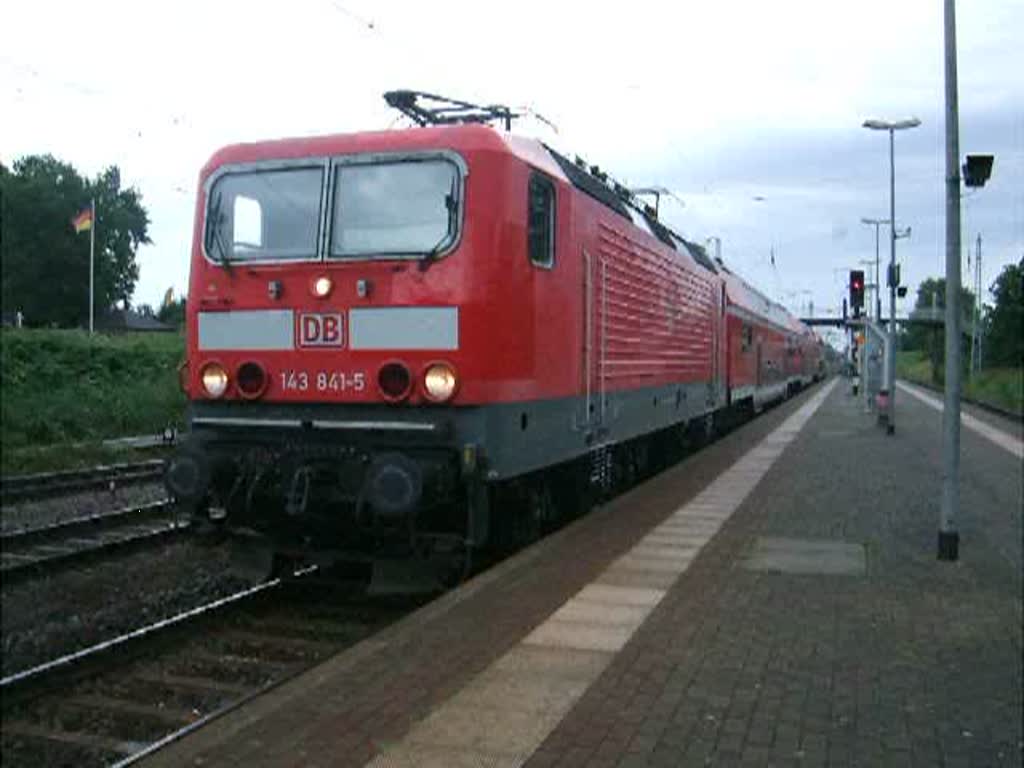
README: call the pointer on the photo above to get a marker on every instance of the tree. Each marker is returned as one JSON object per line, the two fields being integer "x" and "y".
{"x": 173, "y": 313}
{"x": 44, "y": 263}
{"x": 1004, "y": 340}
{"x": 932, "y": 338}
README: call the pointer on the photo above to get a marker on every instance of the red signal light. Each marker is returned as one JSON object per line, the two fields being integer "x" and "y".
{"x": 856, "y": 289}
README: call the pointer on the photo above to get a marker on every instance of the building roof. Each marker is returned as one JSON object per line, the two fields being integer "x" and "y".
{"x": 129, "y": 320}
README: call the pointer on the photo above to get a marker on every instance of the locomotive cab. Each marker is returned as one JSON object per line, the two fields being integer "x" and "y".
{"x": 345, "y": 335}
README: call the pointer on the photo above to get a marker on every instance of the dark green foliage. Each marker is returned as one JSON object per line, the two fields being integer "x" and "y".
{"x": 934, "y": 289}
{"x": 931, "y": 339}
{"x": 45, "y": 264}
{"x": 1004, "y": 340}
{"x": 1001, "y": 387}
{"x": 65, "y": 386}
{"x": 173, "y": 313}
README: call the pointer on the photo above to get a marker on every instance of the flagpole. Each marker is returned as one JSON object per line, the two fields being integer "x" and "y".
{"x": 92, "y": 258}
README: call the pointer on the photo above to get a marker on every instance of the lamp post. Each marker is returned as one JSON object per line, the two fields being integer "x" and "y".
{"x": 890, "y": 358}
{"x": 876, "y": 223}
{"x": 873, "y": 287}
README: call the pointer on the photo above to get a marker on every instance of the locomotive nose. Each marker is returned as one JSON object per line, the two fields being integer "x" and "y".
{"x": 186, "y": 475}
{"x": 393, "y": 486}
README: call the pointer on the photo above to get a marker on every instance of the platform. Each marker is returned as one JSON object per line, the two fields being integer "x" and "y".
{"x": 773, "y": 600}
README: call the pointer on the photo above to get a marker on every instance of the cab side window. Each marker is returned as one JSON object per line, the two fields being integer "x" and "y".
{"x": 541, "y": 221}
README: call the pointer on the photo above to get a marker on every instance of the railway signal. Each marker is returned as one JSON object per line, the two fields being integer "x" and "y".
{"x": 856, "y": 291}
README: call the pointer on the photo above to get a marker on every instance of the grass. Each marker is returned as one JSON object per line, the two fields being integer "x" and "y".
{"x": 51, "y": 458}
{"x": 63, "y": 392}
{"x": 1001, "y": 387}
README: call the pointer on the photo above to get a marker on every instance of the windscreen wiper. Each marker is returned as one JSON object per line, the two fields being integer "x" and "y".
{"x": 451, "y": 204}
{"x": 213, "y": 233}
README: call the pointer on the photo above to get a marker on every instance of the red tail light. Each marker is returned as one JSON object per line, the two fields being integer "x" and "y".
{"x": 394, "y": 381}
{"x": 251, "y": 380}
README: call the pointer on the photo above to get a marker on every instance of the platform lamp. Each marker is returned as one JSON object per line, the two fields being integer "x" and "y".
{"x": 876, "y": 223}
{"x": 890, "y": 358}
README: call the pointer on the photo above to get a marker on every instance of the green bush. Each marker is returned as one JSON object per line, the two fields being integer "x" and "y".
{"x": 65, "y": 386}
{"x": 1001, "y": 387}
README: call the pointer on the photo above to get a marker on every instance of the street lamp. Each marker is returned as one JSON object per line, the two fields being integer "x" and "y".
{"x": 876, "y": 223}
{"x": 890, "y": 360}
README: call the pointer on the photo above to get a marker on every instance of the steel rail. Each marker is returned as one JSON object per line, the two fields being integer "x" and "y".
{"x": 109, "y": 532}
{"x": 69, "y": 662}
{"x": 83, "y": 522}
{"x": 33, "y": 673}
{"x": 21, "y": 487}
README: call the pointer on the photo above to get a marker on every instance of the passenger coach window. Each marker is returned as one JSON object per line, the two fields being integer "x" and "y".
{"x": 541, "y": 221}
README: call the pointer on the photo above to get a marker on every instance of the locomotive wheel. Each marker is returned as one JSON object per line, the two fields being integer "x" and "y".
{"x": 282, "y": 566}
{"x": 709, "y": 428}
{"x": 252, "y": 559}
{"x": 572, "y": 491}
{"x": 540, "y": 512}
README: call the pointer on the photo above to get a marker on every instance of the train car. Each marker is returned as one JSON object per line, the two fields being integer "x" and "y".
{"x": 768, "y": 348}
{"x": 403, "y": 345}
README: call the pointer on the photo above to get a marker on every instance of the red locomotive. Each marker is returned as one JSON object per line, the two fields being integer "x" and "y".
{"x": 405, "y": 344}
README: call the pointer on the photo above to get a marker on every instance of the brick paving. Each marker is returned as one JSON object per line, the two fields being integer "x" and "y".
{"x": 350, "y": 708}
{"x": 908, "y": 662}
{"x": 914, "y": 662}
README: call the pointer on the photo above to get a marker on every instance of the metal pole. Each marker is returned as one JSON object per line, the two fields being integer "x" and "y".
{"x": 890, "y": 372}
{"x": 92, "y": 260}
{"x": 977, "y": 321}
{"x": 878, "y": 285}
{"x": 862, "y": 353}
{"x": 949, "y": 537}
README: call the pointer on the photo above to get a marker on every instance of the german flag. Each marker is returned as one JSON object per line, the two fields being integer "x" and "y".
{"x": 83, "y": 220}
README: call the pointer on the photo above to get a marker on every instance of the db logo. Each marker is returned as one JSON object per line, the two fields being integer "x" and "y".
{"x": 321, "y": 330}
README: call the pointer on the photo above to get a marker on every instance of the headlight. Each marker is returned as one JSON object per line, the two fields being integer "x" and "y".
{"x": 215, "y": 379}
{"x": 322, "y": 287}
{"x": 439, "y": 382}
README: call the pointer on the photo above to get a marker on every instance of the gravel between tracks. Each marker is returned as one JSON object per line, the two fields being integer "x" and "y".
{"x": 44, "y": 618}
{"x": 34, "y": 513}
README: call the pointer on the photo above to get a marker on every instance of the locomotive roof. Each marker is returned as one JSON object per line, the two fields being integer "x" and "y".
{"x": 478, "y": 137}
{"x": 747, "y": 297}
{"x": 457, "y": 137}
{"x": 465, "y": 137}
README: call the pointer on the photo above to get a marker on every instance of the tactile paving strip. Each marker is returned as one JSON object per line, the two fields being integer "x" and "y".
{"x": 507, "y": 711}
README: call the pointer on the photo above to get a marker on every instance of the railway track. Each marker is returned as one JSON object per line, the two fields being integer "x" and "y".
{"x": 46, "y": 484}
{"x": 116, "y": 702}
{"x": 36, "y": 551}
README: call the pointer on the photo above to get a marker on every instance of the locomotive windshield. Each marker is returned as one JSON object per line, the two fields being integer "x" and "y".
{"x": 405, "y": 207}
{"x": 379, "y": 208}
{"x": 260, "y": 215}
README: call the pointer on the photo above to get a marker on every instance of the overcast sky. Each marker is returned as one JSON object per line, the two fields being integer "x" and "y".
{"x": 749, "y": 111}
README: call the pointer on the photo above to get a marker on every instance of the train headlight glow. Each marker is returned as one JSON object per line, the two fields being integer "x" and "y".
{"x": 215, "y": 379}
{"x": 322, "y": 287}
{"x": 439, "y": 382}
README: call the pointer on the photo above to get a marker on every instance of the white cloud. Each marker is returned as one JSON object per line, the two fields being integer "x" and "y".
{"x": 655, "y": 92}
